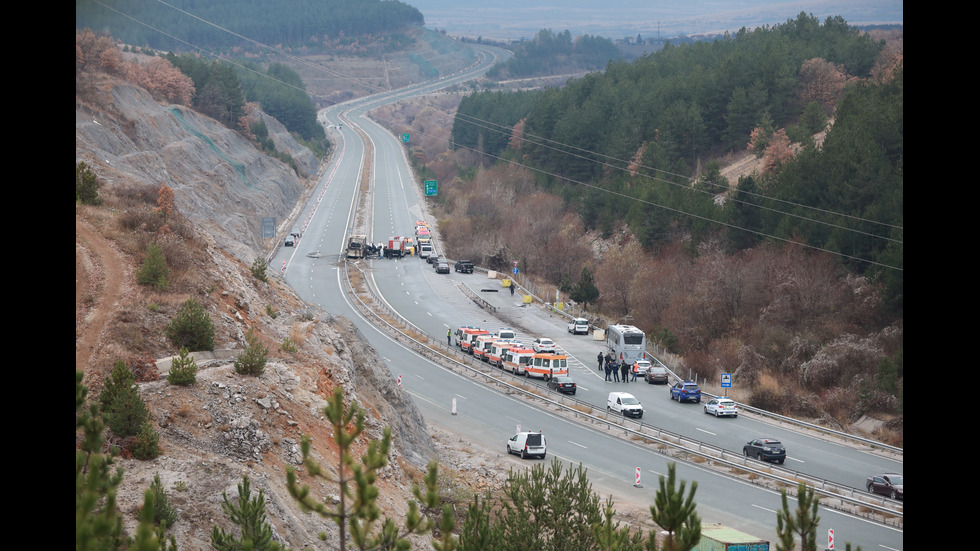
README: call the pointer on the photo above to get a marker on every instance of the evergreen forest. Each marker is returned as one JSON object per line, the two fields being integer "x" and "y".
{"x": 308, "y": 23}
{"x": 634, "y": 144}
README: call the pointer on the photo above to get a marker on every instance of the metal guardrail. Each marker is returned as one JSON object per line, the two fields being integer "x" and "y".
{"x": 853, "y": 500}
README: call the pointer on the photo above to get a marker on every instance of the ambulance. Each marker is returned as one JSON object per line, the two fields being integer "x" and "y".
{"x": 481, "y": 346}
{"x": 497, "y": 350}
{"x": 469, "y": 337}
{"x": 545, "y": 365}
{"x": 516, "y": 358}
{"x": 458, "y": 333}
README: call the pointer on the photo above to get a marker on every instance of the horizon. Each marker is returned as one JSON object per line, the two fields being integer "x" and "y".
{"x": 617, "y": 19}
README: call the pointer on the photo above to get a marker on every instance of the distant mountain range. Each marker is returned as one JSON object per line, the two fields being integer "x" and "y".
{"x": 616, "y": 19}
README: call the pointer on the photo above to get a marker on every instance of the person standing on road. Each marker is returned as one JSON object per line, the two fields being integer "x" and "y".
{"x": 624, "y": 370}
{"x": 601, "y": 360}
{"x": 636, "y": 370}
{"x": 615, "y": 371}
{"x": 511, "y": 287}
{"x": 449, "y": 337}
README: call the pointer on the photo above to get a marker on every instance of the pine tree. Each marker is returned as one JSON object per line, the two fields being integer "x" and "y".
{"x": 154, "y": 271}
{"x": 183, "y": 369}
{"x": 253, "y": 359}
{"x": 249, "y": 515}
{"x": 98, "y": 522}
{"x": 123, "y": 408}
{"x": 676, "y": 514}
{"x": 163, "y": 513}
{"x": 191, "y": 327}
{"x": 86, "y": 185}
{"x": 357, "y": 512}
{"x": 803, "y": 522}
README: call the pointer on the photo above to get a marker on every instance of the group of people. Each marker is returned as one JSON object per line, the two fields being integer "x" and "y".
{"x": 616, "y": 370}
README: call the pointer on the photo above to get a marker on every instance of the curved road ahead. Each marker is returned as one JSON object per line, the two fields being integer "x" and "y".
{"x": 434, "y": 303}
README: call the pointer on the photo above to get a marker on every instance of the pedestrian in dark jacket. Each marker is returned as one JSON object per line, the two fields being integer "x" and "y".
{"x": 624, "y": 369}
{"x": 601, "y": 359}
{"x": 615, "y": 371}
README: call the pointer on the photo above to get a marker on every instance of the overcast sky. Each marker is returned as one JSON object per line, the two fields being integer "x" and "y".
{"x": 507, "y": 19}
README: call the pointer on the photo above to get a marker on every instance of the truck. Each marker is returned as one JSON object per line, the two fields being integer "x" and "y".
{"x": 396, "y": 247}
{"x": 715, "y": 537}
{"x": 356, "y": 245}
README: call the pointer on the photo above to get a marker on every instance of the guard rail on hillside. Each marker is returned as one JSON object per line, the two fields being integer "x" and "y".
{"x": 854, "y": 500}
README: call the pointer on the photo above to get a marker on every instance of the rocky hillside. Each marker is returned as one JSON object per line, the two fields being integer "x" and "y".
{"x": 226, "y": 425}
{"x": 220, "y": 181}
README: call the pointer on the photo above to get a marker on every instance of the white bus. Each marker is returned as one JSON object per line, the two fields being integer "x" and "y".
{"x": 626, "y": 342}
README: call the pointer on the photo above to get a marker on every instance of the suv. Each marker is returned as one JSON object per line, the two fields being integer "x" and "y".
{"x": 765, "y": 449}
{"x": 624, "y": 403}
{"x": 528, "y": 444}
{"x": 464, "y": 266}
{"x": 685, "y": 390}
{"x": 578, "y": 325}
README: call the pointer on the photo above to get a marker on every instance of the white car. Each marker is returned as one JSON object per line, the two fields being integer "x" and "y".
{"x": 528, "y": 444}
{"x": 542, "y": 344}
{"x": 624, "y": 403}
{"x": 721, "y": 407}
{"x": 578, "y": 325}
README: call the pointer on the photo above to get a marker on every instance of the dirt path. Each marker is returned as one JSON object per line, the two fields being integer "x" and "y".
{"x": 100, "y": 282}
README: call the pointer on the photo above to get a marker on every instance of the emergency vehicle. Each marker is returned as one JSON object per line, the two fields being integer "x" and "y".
{"x": 545, "y": 365}
{"x": 516, "y": 358}
{"x": 469, "y": 337}
{"x": 396, "y": 247}
{"x": 496, "y": 355}
{"x": 458, "y": 333}
{"x": 481, "y": 346}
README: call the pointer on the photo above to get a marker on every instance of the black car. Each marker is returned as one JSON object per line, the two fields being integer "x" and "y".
{"x": 432, "y": 258}
{"x": 563, "y": 384}
{"x": 890, "y": 484}
{"x": 464, "y": 266}
{"x": 765, "y": 449}
{"x": 442, "y": 267}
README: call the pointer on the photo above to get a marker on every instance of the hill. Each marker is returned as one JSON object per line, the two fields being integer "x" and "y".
{"x": 226, "y": 425}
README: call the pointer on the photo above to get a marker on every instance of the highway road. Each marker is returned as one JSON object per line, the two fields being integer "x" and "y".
{"x": 488, "y": 417}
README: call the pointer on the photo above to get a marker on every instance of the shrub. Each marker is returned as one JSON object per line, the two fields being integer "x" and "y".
{"x": 191, "y": 328}
{"x": 164, "y": 514}
{"x": 147, "y": 443}
{"x": 154, "y": 271}
{"x": 253, "y": 359}
{"x": 183, "y": 369}
{"x": 258, "y": 270}
{"x": 123, "y": 408}
{"x": 86, "y": 185}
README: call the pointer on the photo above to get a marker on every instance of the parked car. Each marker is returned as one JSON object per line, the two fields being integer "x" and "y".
{"x": 889, "y": 484}
{"x": 657, "y": 374}
{"x": 685, "y": 390}
{"x": 578, "y": 325}
{"x": 290, "y": 241}
{"x": 624, "y": 403}
{"x": 464, "y": 266}
{"x": 442, "y": 267}
{"x": 542, "y": 344}
{"x": 721, "y": 407}
{"x": 432, "y": 258}
{"x": 765, "y": 449}
{"x": 562, "y": 384}
{"x": 528, "y": 444}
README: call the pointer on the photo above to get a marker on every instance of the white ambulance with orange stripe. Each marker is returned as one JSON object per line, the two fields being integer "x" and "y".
{"x": 545, "y": 365}
{"x": 516, "y": 359}
{"x": 497, "y": 350}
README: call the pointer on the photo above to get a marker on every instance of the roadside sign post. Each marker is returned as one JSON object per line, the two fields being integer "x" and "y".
{"x": 431, "y": 188}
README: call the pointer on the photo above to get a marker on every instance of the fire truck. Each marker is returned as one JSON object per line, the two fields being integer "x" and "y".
{"x": 397, "y": 247}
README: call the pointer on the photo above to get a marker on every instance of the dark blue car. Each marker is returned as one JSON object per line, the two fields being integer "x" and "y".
{"x": 685, "y": 391}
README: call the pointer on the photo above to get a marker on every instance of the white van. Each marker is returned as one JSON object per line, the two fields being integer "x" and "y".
{"x": 425, "y": 250}
{"x": 578, "y": 325}
{"x": 506, "y": 333}
{"x": 624, "y": 403}
{"x": 528, "y": 444}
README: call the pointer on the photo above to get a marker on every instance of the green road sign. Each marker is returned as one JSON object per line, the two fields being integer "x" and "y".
{"x": 431, "y": 188}
{"x": 405, "y": 137}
